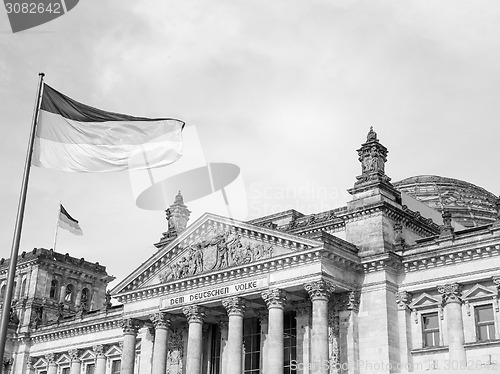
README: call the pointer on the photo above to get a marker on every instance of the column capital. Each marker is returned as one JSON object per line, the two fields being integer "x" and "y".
{"x": 319, "y": 289}
{"x": 302, "y": 308}
{"x": 161, "y": 320}
{"x": 74, "y": 355}
{"x": 451, "y": 293}
{"x": 235, "y": 306}
{"x": 403, "y": 299}
{"x": 98, "y": 350}
{"x": 130, "y": 326}
{"x": 275, "y": 298}
{"x": 496, "y": 280}
{"x": 195, "y": 313}
{"x": 51, "y": 358}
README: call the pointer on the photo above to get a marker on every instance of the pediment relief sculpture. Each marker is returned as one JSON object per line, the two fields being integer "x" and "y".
{"x": 215, "y": 250}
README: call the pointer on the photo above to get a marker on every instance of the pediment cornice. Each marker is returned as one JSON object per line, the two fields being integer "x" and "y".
{"x": 211, "y": 233}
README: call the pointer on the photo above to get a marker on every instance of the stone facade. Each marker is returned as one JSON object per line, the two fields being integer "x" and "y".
{"x": 373, "y": 287}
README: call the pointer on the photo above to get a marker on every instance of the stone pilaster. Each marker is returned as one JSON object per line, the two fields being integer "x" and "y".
{"x": 130, "y": 327}
{"x": 195, "y": 316}
{"x": 224, "y": 325}
{"x": 263, "y": 315}
{"x": 51, "y": 363}
{"x": 303, "y": 318}
{"x": 161, "y": 322}
{"x": 403, "y": 299}
{"x": 275, "y": 300}
{"x": 319, "y": 292}
{"x": 235, "y": 307}
{"x": 452, "y": 301}
{"x": 100, "y": 359}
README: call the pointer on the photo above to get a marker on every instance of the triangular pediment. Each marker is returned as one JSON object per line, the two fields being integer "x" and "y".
{"x": 113, "y": 350}
{"x": 210, "y": 244}
{"x": 424, "y": 300}
{"x": 64, "y": 358}
{"x": 40, "y": 362}
{"x": 479, "y": 292}
{"x": 87, "y": 355}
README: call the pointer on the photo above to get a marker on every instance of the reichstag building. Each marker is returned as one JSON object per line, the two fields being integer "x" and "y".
{"x": 404, "y": 278}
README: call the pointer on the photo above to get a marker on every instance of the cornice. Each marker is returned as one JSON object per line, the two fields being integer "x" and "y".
{"x": 455, "y": 254}
{"x": 380, "y": 262}
{"x": 262, "y": 267}
{"x": 106, "y": 321}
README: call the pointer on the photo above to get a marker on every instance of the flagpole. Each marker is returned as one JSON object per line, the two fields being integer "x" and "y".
{"x": 4, "y": 324}
{"x": 57, "y": 225}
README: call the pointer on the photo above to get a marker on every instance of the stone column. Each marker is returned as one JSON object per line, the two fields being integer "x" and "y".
{"x": 100, "y": 359}
{"x": 452, "y": 301}
{"x": 51, "y": 363}
{"x": 263, "y": 315}
{"x": 195, "y": 315}
{"x": 303, "y": 317}
{"x": 130, "y": 327}
{"x": 235, "y": 307}
{"x": 319, "y": 292}
{"x": 161, "y": 322}
{"x": 275, "y": 300}
{"x": 403, "y": 299}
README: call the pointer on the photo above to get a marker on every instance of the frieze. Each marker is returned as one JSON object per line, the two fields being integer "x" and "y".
{"x": 217, "y": 249}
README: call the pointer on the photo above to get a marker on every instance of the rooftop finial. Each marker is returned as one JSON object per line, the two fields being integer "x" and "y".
{"x": 179, "y": 199}
{"x": 372, "y": 135}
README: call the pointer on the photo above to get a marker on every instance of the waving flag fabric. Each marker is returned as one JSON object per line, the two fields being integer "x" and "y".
{"x": 75, "y": 137}
{"x": 69, "y": 223}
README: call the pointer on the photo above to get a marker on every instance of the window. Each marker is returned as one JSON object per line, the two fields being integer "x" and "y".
{"x": 65, "y": 370}
{"x": 53, "y": 289}
{"x": 84, "y": 298}
{"x": 251, "y": 345}
{"x": 485, "y": 324}
{"x": 290, "y": 342}
{"x": 90, "y": 369}
{"x": 430, "y": 330}
{"x": 116, "y": 367}
{"x": 69, "y": 293}
{"x": 215, "y": 349}
{"x": 23, "y": 288}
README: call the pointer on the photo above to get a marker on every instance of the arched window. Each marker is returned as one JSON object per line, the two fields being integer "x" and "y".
{"x": 69, "y": 293}
{"x": 53, "y": 288}
{"x": 85, "y": 298}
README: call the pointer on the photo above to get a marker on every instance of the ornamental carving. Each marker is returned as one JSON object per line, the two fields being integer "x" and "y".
{"x": 451, "y": 293}
{"x": 275, "y": 298}
{"x": 319, "y": 289}
{"x": 346, "y": 301}
{"x": 175, "y": 352}
{"x": 223, "y": 322}
{"x": 74, "y": 354}
{"x": 216, "y": 249}
{"x": 496, "y": 280}
{"x": 373, "y": 157}
{"x": 403, "y": 299}
{"x": 195, "y": 313}
{"x": 263, "y": 316}
{"x": 130, "y": 326}
{"x": 98, "y": 350}
{"x": 161, "y": 320}
{"x": 51, "y": 358}
{"x": 235, "y": 305}
{"x": 333, "y": 340}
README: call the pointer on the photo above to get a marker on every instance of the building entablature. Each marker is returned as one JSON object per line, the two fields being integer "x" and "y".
{"x": 440, "y": 253}
{"x": 260, "y": 268}
{"x": 86, "y": 324}
{"x": 381, "y": 262}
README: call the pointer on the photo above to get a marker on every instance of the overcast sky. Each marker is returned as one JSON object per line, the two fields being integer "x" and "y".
{"x": 286, "y": 90}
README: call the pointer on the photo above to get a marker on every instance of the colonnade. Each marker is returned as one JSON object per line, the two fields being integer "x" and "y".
{"x": 275, "y": 299}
